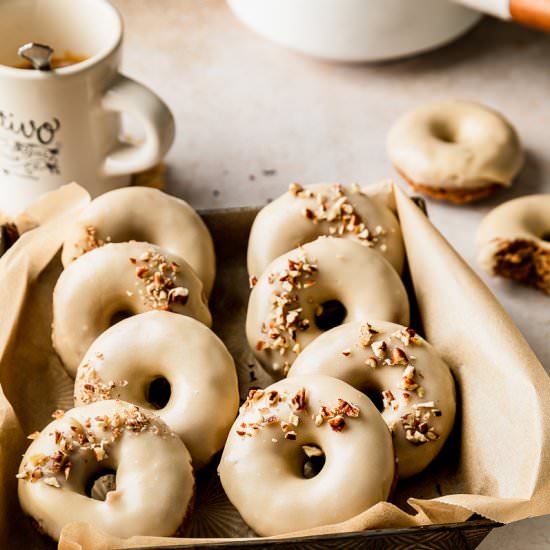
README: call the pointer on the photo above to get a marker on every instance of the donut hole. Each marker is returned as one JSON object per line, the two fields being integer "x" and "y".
{"x": 546, "y": 237}
{"x": 100, "y": 484}
{"x": 330, "y": 314}
{"x": 443, "y": 132}
{"x": 118, "y": 316}
{"x": 313, "y": 460}
{"x": 376, "y": 397}
{"x": 158, "y": 392}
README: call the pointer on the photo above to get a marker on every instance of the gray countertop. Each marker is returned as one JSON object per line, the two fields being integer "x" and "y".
{"x": 253, "y": 117}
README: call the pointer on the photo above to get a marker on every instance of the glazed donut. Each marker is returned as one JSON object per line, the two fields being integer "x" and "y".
{"x": 316, "y": 287}
{"x": 417, "y": 388}
{"x": 116, "y": 280}
{"x": 147, "y": 215}
{"x": 458, "y": 151}
{"x": 326, "y": 209}
{"x": 135, "y": 358}
{"x": 262, "y": 468}
{"x": 154, "y": 485}
{"x": 514, "y": 241}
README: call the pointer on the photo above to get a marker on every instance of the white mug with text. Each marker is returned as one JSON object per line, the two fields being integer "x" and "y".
{"x": 64, "y": 125}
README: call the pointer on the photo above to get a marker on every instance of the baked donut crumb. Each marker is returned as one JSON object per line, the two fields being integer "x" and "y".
{"x": 456, "y": 196}
{"x": 523, "y": 261}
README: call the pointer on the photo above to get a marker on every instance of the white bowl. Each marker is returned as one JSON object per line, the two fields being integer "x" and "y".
{"x": 356, "y": 30}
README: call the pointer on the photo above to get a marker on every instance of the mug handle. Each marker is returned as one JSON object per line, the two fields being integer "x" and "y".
{"x": 128, "y": 96}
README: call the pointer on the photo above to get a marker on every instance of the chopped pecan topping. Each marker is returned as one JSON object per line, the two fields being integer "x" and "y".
{"x": 348, "y": 409}
{"x": 408, "y": 379}
{"x": 286, "y": 317}
{"x": 379, "y": 349}
{"x": 337, "y": 423}
{"x": 417, "y": 426}
{"x": 398, "y": 356}
{"x": 389, "y": 400}
{"x": 92, "y": 387}
{"x": 82, "y": 437}
{"x": 268, "y": 410}
{"x": 91, "y": 242}
{"x": 299, "y": 401}
{"x": 336, "y": 209}
{"x": 371, "y": 362}
{"x": 366, "y": 332}
{"x": 407, "y": 336}
{"x": 159, "y": 277}
{"x": 295, "y": 188}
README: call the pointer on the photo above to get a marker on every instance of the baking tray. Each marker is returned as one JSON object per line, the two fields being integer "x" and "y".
{"x": 214, "y": 516}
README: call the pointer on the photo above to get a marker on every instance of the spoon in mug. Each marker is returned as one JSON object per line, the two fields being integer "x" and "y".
{"x": 39, "y": 55}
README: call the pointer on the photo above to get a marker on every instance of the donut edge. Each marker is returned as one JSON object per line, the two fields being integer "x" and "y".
{"x": 457, "y": 196}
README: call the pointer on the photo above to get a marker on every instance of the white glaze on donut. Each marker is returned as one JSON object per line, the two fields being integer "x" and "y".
{"x": 455, "y": 145}
{"x": 416, "y": 385}
{"x": 154, "y": 476}
{"x": 305, "y": 213}
{"x": 261, "y": 466}
{"x": 122, "y": 277}
{"x": 204, "y": 396}
{"x": 147, "y": 215}
{"x": 280, "y": 321}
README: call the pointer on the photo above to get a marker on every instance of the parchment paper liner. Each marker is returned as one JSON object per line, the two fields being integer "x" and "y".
{"x": 496, "y": 463}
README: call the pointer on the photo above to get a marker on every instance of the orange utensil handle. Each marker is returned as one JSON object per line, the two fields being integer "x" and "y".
{"x": 534, "y": 13}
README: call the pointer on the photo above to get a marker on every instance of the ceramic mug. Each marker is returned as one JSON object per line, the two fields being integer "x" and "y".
{"x": 64, "y": 125}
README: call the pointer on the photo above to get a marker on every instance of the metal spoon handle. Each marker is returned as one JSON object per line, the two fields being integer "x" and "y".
{"x": 39, "y": 55}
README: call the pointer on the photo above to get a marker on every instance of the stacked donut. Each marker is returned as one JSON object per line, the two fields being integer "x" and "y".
{"x": 364, "y": 399}
{"x": 155, "y": 389}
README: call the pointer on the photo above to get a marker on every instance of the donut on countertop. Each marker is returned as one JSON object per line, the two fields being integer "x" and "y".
{"x": 325, "y": 209}
{"x": 265, "y": 470}
{"x": 170, "y": 364}
{"x": 115, "y": 281}
{"x": 390, "y": 361}
{"x": 514, "y": 241}
{"x": 147, "y": 215}
{"x": 313, "y": 288}
{"x": 458, "y": 151}
{"x": 154, "y": 484}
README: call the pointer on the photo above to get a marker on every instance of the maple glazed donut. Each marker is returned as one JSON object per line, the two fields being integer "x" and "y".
{"x": 458, "y": 151}
{"x": 265, "y": 470}
{"x": 115, "y": 281}
{"x": 514, "y": 241}
{"x": 170, "y": 364}
{"x": 154, "y": 484}
{"x": 325, "y": 209}
{"x": 311, "y": 289}
{"x": 385, "y": 359}
{"x": 146, "y": 215}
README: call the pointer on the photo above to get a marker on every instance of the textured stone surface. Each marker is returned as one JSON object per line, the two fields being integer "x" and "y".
{"x": 253, "y": 117}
